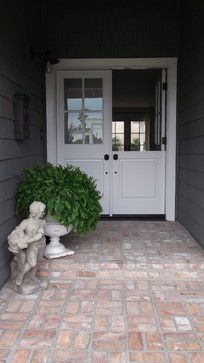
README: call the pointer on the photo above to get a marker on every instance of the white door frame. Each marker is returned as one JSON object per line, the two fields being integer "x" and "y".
{"x": 123, "y": 63}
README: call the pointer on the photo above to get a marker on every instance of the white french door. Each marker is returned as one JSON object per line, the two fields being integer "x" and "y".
{"x": 138, "y": 160}
{"x": 83, "y": 123}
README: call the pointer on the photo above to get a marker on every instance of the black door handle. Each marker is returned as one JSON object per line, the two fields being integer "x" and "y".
{"x": 115, "y": 156}
{"x": 106, "y": 157}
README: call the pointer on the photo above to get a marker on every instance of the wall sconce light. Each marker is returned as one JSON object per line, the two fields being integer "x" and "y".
{"x": 47, "y": 60}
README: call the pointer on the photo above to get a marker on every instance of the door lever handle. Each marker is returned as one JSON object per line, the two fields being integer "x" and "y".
{"x": 106, "y": 157}
{"x": 115, "y": 156}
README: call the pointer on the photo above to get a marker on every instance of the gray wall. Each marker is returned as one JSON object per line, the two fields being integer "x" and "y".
{"x": 17, "y": 75}
{"x": 190, "y": 175}
{"x": 134, "y": 88}
{"x": 116, "y": 28}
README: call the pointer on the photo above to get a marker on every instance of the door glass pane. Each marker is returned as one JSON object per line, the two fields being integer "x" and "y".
{"x": 72, "y": 94}
{"x": 73, "y": 128}
{"x": 138, "y": 139}
{"x": 93, "y": 93}
{"x": 135, "y": 126}
{"x": 83, "y": 111}
{"x": 135, "y": 142}
{"x": 93, "y": 127}
{"x": 139, "y": 100}
{"x": 118, "y": 135}
{"x": 142, "y": 126}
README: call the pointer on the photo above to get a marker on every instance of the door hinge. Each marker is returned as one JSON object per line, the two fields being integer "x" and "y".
{"x": 164, "y": 86}
{"x": 164, "y": 140}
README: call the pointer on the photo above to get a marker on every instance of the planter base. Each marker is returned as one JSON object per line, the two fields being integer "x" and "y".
{"x": 67, "y": 252}
{"x": 55, "y": 248}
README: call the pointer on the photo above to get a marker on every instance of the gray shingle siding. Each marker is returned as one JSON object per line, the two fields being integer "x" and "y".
{"x": 112, "y": 29}
{"x": 190, "y": 175}
{"x": 17, "y": 75}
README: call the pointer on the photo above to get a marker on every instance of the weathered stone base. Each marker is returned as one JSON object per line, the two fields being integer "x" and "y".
{"x": 66, "y": 252}
{"x": 28, "y": 287}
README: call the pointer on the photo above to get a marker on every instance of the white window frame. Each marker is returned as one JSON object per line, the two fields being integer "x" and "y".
{"x": 170, "y": 64}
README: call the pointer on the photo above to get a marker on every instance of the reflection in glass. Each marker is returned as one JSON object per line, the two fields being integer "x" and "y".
{"x": 135, "y": 142}
{"x": 93, "y": 127}
{"x": 129, "y": 135}
{"x": 118, "y": 135}
{"x": 83, "y": 109}
{"x": 73, "y": 128}
{"x": 93, "y": 94}
{"x": 73, "y": 94}
{"x": 138, "y": 136}
{"x": 135, "y": 127}
{"x": 142, "y": 126}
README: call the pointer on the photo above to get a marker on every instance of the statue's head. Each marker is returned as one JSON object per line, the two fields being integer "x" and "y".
{"x": 37, "y": 209}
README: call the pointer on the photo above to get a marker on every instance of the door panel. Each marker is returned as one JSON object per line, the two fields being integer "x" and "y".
{"x": 139, "y": 183}
{"x": 83, "y": 123}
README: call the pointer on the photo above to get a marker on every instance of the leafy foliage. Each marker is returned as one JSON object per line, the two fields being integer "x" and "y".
{"x": 69, "y": 194}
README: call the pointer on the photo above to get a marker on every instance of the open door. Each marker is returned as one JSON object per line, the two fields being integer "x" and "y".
{"x": 138, "y": 137}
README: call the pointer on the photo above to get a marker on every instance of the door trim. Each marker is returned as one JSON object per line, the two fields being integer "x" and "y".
{"x": 123, "y": 63}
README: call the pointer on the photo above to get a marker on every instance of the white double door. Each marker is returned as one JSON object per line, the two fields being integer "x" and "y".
{"x": 130, "y": 182}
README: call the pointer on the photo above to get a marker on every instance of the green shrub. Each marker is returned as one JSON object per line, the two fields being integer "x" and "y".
{"x": 69, "y": 194}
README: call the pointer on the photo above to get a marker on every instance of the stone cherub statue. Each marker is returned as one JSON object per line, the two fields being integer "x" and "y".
{"x": 27, "y": 242}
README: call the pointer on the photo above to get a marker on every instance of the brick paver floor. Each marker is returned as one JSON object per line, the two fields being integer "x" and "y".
{"x": 133, "y": 292}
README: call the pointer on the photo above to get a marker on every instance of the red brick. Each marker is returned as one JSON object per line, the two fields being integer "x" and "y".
{"x": 13, "y": 306}
{"x": 181, "y": 341}
{"x": 83, "y": 295}
{"x": 146, "y": 308}
{"x": 154, "y": 341}
{"x": 37, "y": 338}
{"x": 66, "y": 356}
{"x": 82, "y": 340}
{"x": 8, "y": 338}
{"x": 14, "y": 316}
{"x": 11, "y": 325}
{"x": 50, "y": 306}
{"x": 108, "y": 342}
{"x": 171, "y": 308}
{"x": 20, "y": 356}
{"x": 60, "y": 284}
{"x": 99, "y": 357}
{"x": 64, "y": 339}
{"x": 76, "y": 321}
{"x": 135, "y": 341}
{"x": 117, "y": 323}
{"x": 86, "y": 274}
{"x": 177, "y": 358}
{"x": 132, "y": 308}
{"x": 142, "y": 357}
{"x": 196, "y": 357}
{"x": 142, "y": 324}
{"x": 117, "y": 358}
{"x": 72, "y": 307}
{"x": 27, "y": 306}
{"x": 101, "y": 323}
{"x": 40, "y": 356}
{"x": 87, "y": 307}
{"x": 46, "y": 333}
{"x": 193, "y": 309}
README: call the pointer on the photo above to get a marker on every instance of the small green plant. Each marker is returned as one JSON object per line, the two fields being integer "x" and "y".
{"x": 69, "y": 194}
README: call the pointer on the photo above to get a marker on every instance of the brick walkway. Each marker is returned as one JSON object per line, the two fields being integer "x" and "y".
{"x": 133, "y": 292}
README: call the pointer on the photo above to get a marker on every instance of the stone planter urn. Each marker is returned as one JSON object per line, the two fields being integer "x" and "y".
{"x": 55, "y": 230}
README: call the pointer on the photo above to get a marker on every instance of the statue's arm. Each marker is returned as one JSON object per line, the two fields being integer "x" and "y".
{"x": 38, "y": 236}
